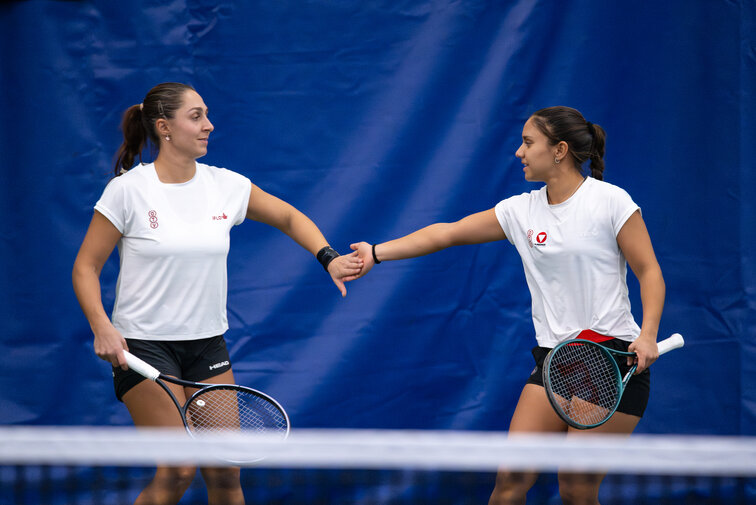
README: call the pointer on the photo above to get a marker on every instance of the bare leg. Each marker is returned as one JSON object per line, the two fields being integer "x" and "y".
{"x": 223, "y": 484}
{"x": 150, "y": 406}
{"x": 533, "y": 414}
{"x": 583, "y": 488}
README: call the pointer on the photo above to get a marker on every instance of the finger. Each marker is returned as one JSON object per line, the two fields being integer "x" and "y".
{"x": 341, "y": 287}
{"x": 121, "y": 360}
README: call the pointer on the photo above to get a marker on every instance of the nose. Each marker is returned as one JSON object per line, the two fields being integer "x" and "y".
{"x": 209, "y": 126}
{"x": 519, "y": 152}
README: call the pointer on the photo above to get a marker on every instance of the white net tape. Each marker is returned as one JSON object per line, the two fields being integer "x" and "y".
{"x": 441, "y": 450}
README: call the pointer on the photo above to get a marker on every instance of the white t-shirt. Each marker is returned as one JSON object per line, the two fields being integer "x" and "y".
{"x": 172, "y": 279}
{"x": 574, "y": 267}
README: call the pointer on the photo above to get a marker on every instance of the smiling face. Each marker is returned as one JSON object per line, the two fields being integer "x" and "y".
{"x": 189, "y": 128}
{"x": 536, "y": 153}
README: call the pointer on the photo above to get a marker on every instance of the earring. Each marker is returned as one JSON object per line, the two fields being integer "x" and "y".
{"x": 557, "y": 161}
{"x": 168, "y": 138}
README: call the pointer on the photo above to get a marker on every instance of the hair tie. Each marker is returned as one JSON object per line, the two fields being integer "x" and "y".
{"x": 590, "y": 126}
{"x": 141, "y": 106}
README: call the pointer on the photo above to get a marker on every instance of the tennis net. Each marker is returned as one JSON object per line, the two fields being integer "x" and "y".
{"x": 91, "y": 466}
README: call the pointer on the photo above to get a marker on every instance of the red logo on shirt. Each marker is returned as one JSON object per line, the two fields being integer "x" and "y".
{"x": 541, "y": 238}
{"x": 222, "y": 216}
{"x": 530, "y": 238}
{"x": 153, "y": 219}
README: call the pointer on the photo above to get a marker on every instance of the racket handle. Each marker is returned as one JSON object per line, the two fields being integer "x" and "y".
{"x": 144, "y": 369}
{"x": 668, "y": 344}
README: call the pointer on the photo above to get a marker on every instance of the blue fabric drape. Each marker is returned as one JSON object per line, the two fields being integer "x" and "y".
{"x": 376, "y": 118}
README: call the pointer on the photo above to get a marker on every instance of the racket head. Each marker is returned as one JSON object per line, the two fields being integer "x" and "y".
{"x": 583, "y": 383}
{"x": 229, "y": 408}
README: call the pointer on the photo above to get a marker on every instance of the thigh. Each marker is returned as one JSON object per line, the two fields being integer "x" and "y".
{"x": 226, "y": 377}
{"x": 534, "y": 413}
{"x": 620, "y": 423}
{"x": 149, "y": 405}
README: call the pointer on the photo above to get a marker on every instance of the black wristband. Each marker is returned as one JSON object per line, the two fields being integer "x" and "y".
{"x": 326, "y": 256}
{"x": 375, "y": 258}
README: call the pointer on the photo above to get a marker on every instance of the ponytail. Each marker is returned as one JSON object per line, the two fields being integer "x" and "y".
{"x": 134, "y": 140}
{"x": 597, "y": 151}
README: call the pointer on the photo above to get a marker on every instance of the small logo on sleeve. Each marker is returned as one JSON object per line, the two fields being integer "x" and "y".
{"x": 221, "y": 217}
{"x": 153, "y": 219}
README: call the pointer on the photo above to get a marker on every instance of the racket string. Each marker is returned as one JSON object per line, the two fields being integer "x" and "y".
{"x": 228, "y": 409}
{"x": 585, "y": 383}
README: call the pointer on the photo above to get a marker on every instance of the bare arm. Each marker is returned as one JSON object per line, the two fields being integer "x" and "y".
{"x": 271, "y": 210}
{"x": 473, "y": 229}
{"x": 98, "y": 244}
{"x": 635, "y": 244}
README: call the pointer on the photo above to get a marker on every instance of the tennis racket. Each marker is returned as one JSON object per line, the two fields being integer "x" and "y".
{"x": 583, "y": 380}
{"x": 220, "y": 408}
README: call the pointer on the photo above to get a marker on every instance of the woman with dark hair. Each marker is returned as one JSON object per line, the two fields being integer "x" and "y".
{"x": 171, "y": 221}
{"x": 575, "y": 235}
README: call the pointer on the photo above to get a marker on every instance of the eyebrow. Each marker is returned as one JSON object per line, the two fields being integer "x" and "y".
{"x": 198, "y": 109}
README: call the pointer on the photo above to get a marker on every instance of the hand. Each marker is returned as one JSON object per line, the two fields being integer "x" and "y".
{"x": 365, "y": 252}
{"x": 344, "y": 269}
{"x": 646, "y": 350}
{"x": 109, "y": 346}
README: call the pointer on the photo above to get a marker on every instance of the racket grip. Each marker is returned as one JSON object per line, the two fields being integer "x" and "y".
{"x": 668, "y": 344}
{"x": 144, "y": 369}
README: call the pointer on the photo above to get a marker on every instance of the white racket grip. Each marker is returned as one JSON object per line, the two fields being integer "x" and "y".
{"x": 139, "y": 366}
{"x": 669, "y": 344}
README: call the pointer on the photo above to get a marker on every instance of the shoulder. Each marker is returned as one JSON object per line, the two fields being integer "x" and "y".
{"x": 132, "y": 179}
{"x": 605, "y": 189}
{"x": 523, "y": 199}
{"x": 222, "y": 175}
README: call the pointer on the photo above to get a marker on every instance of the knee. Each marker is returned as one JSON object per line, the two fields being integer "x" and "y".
{"x": 511, "y": 487}
{"x": 221, "y": 478}
{"x": 579, "y": 490}
{"x": 175, "y": 478}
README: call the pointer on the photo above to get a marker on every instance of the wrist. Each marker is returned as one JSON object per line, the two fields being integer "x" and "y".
{"x": 326, "y": 255}
{"x": 375, "y": 257}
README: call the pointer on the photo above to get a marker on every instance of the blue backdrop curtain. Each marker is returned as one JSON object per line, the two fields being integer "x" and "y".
{"x": 376, "y": 118}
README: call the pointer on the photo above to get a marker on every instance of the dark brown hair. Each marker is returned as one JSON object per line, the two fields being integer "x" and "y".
{"x": 586, "y": 140}
{"x": 138, "y": 123}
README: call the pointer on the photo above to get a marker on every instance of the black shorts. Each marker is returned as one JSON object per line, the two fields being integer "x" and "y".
{"x": 635, "y": 397}
{"x": 192, "y": 360}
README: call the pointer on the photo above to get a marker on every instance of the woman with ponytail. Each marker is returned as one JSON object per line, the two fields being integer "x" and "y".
{"x": 575, "y": 235}
{"x": 171, "y": 220}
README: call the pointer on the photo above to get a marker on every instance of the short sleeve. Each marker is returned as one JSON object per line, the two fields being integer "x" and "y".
{"x": 236, "y": 189}
{"x": 506, "y": 212}
{"x": 621, "y": 207}
{"x": 112, "y": 204}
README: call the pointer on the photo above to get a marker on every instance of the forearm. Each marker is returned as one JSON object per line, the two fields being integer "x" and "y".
{"x": 303, "y": 231}
{"x": 424, "y": 241}
{"x": 652, "y": 291}
{"x": 86, "y": 284}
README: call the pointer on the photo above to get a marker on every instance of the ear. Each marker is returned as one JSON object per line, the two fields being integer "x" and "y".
{"x": 561, "y": 149}
{"x": 161, "y": 127}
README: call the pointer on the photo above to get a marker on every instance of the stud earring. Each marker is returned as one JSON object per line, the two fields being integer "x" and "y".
{"x": 557, "y": 161}
{"x": 168, "y": 138}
